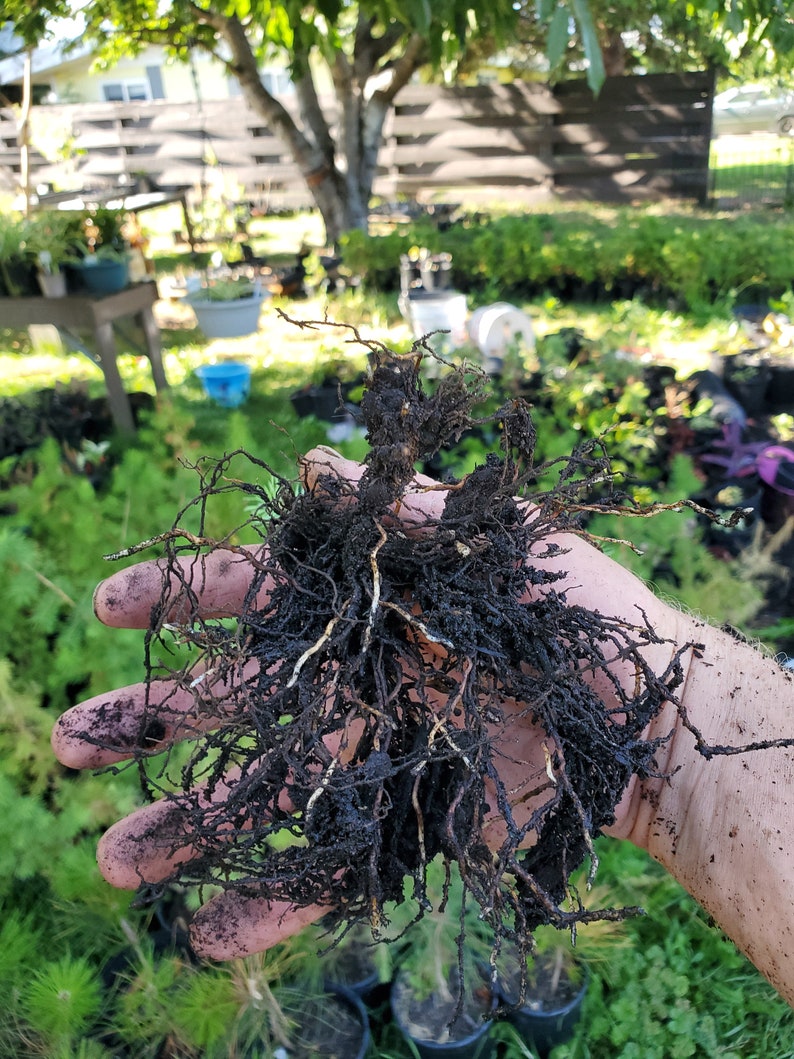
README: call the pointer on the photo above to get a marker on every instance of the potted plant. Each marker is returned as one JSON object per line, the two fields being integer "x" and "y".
{"x": 746, "y": 377}
{"x": 105, "y": 271}
{"x": 332, "y": 393}
{"x": 57, "y": 242}
{"x": 545, "y": 1008}
{"x": 17, "y": 265}
{"x": 227, "y": 307}
{"x": 270, "y": 1004}
{"x": 441, "y": 1000}
{"x": 352, "y": 959}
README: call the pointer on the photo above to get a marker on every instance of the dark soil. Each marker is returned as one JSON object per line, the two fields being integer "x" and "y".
{"x": 364, "y": 699}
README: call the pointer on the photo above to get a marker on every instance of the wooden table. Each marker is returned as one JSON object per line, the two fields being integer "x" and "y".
{"x": 82, "y": 312}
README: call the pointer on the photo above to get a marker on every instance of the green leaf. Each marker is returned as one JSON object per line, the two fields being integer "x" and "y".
{"x": 592, "y": 48}
{"x": 559, "y": 33}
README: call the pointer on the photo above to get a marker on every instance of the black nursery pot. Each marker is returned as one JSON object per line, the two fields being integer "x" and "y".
{"x": 320, "y": 1033}
{"x": 476, "y": 1043}
{"x": 746, "y": 377}
{"x": 780, "y": 388}
{"x": 543, "y": 1023}
{"x": 323, "y": 401}
{"x": 353, "y": 1002}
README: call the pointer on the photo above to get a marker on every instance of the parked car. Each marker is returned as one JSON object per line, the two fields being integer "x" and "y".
{"x": 753, "y": 108}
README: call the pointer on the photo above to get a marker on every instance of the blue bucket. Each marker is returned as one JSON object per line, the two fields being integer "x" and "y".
{"x": 226, "y": 384}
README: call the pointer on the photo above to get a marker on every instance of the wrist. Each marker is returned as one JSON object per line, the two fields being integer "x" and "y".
{"x": 719, "y": 822}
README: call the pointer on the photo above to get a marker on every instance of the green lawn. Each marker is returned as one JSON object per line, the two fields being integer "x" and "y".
{"x": 758, "y": 168}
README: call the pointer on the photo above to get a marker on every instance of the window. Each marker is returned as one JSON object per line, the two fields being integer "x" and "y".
{"x": 130, "y": 91}
{"x": 277, "y": 82}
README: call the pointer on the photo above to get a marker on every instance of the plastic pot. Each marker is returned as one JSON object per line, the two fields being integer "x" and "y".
{"x": 780, "y": 389}
{"x": 543, "y": 1022}
{"x": 434, "y": 313}
{"x": 227, "y": 319}
{"x": 53, "y": 284}
{"x": 323, "y": 402}
{"x": 746, "y": 377}
{"x": 317, "y": 1037}
{"x": 104, "y": 276}
{"x": 475, "y": 1044}
{"x": 227, "y": 384}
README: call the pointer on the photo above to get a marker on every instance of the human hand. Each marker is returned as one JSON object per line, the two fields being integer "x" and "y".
{"x": 149, "y": 844}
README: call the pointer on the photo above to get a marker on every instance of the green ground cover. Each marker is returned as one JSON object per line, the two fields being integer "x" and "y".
{"x": 60, "y": 923}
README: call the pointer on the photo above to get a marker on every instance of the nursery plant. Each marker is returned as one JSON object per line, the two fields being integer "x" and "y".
{"x": 441, "y": 990}
{"x": 361, "y": 730}
{"x": 692, "y": 258}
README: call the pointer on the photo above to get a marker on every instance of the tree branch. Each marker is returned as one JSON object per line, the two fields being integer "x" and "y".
{"x": 309, "y": 157}
{"x": 403, "y": 69}
{"x": 368, "y": 49}
{"x": 313, "y": 116}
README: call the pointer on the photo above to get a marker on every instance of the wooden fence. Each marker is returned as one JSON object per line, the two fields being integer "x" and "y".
{"x": 642, "y": 137}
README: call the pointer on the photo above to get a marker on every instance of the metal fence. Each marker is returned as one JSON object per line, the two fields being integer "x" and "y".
{"x": 754, "y": 169}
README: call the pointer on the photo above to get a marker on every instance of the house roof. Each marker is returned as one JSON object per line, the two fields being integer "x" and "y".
{"x": 46, "y": 57}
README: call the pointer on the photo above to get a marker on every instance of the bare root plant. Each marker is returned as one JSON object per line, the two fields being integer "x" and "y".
{"x": 350, "y": 724}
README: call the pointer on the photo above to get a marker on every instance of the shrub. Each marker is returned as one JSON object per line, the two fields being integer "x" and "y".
{"x": 694, "y": 258}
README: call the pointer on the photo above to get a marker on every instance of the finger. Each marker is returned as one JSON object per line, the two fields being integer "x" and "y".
{"x": 217, "y": 581}
{"x": 145, "y": 847}
{"x": 231, "y": 925}
{"x": 120, "y": 724}
{"x": 149, "y": 844}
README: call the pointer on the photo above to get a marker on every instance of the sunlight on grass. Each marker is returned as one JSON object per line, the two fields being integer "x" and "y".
{"x": 281, "y": 351}
{"x": 285, "y": 353}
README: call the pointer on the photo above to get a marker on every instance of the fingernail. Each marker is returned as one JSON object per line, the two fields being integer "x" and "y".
{"x": 94, "y": 598}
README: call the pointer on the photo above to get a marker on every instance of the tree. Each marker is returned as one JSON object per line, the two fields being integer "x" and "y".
{"x": 366, "y": 52}
{"x": 746, "y": 38}
{"x": 31, "y": 25}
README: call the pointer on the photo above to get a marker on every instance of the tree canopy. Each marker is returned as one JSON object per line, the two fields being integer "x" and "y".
{"x": 364, "y": 52}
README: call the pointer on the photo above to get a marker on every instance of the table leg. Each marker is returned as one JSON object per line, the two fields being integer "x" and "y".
{"x": 117, "y": 395}
{"x": 191, "y": 236}
{"x": 154, "y": 349}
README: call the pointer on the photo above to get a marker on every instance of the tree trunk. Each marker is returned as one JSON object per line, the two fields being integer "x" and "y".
{"x": 23, "y": 136}
{"x": 341, "y": 195}
{"x": 613, "y": 52}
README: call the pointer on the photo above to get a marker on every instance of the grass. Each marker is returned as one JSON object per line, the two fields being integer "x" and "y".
{"x": 282, "y": 353}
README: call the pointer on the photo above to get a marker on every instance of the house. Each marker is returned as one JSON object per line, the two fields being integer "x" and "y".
{"x": 62, "y": 74}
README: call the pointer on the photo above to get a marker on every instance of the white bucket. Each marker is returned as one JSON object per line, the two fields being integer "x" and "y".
{"x": 439, "y": 311}
{"x": 494, "y": 327}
